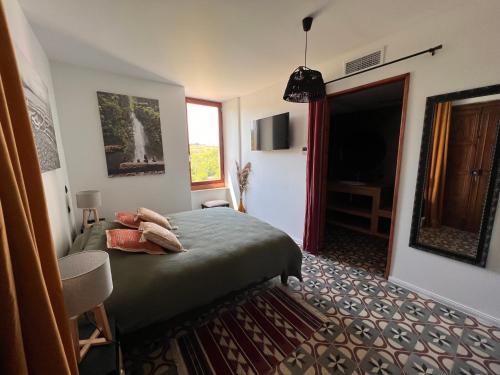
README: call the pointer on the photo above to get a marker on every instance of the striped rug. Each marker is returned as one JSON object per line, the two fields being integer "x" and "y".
{"x": 251, "y": 338}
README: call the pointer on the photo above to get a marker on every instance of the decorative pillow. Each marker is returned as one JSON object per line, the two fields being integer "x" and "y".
{"x": 145, "y": 214}
{"x": 160, "y": 236}
{"x": 129, "y": 240}
{"x": 128, "y": 219}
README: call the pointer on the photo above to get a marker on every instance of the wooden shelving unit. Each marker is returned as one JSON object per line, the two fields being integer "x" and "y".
{"x": 362, "y": 210}
{"x": 385, "y": 212}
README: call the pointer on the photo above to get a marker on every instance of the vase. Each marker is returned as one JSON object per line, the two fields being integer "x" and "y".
{"x": 241, "y": 207}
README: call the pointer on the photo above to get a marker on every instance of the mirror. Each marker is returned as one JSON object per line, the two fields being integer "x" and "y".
{"x": 458, "y": 178}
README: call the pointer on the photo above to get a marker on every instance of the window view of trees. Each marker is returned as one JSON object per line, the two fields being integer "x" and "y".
{"x": 204, "y": 147}
{"x": 205, "y": 163}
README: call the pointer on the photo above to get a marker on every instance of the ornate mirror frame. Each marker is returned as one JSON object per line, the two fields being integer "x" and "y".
{"x": 491, "y": 202}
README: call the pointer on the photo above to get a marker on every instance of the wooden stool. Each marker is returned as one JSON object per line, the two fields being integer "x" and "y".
{"x": 215, "y": 203}
{"x": 81, "y": 347}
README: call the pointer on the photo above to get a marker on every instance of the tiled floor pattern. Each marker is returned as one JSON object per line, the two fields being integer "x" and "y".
{"x": 374, "y": 326}
{"x": 451, "y": 239}
{"x": 357, "y": 249}
{"x": 377, "y": 327}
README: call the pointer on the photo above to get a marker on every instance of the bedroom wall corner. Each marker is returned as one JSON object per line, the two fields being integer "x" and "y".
{"x": 76, "y": 92}
{"x": 277, "y": 191}
{"x": 29, "y": 50}
{"x": 232, "y": 147}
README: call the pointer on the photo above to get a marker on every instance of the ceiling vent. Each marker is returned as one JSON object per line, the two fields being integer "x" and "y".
{"x": 364, "y": 62}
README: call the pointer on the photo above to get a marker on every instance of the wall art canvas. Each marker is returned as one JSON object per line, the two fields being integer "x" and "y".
{"x": 131, "y": 131}
{"x": 38, "y": 104}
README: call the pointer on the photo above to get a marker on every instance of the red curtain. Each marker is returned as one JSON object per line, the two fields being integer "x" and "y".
{"x": 316, "y": 175}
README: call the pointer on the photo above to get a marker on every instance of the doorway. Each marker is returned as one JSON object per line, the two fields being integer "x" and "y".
{"x": 365, "y": 147}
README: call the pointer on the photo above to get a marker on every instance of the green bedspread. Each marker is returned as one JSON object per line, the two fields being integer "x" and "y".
{"x": 226, "y": 251}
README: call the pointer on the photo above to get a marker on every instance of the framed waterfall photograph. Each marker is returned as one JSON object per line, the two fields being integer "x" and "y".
{"x": 131, "y": 131}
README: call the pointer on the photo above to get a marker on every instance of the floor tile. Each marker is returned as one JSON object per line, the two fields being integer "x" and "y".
{"x": 481, "y": 344}
{"x": 379, "y": 363}
{"x": 417, "y": 365}
{"x": 335, "y": 362}
{"x": 440, "y": 340}
{"x": 400, "y": 336}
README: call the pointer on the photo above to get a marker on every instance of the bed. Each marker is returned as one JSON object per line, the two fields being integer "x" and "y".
{"x": 226, "y": 251}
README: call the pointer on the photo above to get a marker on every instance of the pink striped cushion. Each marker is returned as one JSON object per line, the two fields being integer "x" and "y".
{"x": 129, "y": 240}
{"x": 128, "y": 219}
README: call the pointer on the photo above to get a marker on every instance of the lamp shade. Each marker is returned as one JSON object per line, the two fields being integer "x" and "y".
{"x": 86, "y": 280}
{"x": 305, "y": 85}
{"x": 88, "y": 199}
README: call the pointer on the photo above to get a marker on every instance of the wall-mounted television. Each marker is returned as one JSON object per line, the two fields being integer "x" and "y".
{"x": 271, "y": 133}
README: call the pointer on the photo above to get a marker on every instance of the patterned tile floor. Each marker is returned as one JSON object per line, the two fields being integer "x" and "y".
{"x": 357, "y": 249}
{"x": 451, "y": 239}
{"x": 374, "y": 326}
{"x": 380, "y": 328}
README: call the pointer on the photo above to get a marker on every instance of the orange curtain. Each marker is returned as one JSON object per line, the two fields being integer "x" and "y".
{"x": 434, "y": 191}
{"x": 34, "y": 330}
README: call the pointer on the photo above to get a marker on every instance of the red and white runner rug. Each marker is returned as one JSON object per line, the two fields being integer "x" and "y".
{"x": 251, "y": 338}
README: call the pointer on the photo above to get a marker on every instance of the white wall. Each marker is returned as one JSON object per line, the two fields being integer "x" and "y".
{"x": 470, "y": 58}
{"x": 232, "y": 140}
{"x": 477, "y": 99}
{"x": 29, "y": 49}
{"x": 75, "y": 89}
{"x": 276, "y": 192}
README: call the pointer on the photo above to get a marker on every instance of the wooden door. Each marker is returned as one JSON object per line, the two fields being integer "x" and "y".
{"x": 470, "y": 156}
{"x": 462, "y": 145}
{"x": 490, "y": 117}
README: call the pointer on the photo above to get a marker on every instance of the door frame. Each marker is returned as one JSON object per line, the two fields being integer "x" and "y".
{"x": 405, "y": 78}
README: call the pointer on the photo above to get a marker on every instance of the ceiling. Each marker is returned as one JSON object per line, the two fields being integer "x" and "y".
{"x": 217, "y": 49}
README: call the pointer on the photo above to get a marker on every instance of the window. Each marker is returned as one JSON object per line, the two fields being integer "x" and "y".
{"x": 206, "y": 148}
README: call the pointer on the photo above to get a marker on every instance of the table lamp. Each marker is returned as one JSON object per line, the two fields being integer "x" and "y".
{"x": 89, "y": 200}
{"x": 86, "y": 281}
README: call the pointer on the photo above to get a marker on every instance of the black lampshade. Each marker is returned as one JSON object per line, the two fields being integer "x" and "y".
{"x": 305, "y": 85}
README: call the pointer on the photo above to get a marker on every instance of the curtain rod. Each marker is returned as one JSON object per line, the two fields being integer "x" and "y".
{"x": 432, "y": 51}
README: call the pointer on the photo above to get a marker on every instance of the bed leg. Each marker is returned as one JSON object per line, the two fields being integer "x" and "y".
{"x": 284, "y": 278}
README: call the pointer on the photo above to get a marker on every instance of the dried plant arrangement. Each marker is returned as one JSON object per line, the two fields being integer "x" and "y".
{"x": 243, "y": 174}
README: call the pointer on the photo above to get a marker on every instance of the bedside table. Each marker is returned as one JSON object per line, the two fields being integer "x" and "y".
{"x": 101, "y": 360}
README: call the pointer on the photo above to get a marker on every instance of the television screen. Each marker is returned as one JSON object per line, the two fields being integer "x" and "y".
{"x": 271, "y": 133}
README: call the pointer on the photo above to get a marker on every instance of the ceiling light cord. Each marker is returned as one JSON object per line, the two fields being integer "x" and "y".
{"x": 305, "y": 85}
{"x": 305, "y": 53}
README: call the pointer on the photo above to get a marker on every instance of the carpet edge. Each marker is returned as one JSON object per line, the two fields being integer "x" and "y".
{"x": 177, "y": 358}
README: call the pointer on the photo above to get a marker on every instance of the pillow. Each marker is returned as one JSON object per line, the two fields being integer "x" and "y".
{"x": 129, "y": 240}
{"x": 128, "y": 219}
{"x": 160, "y": 236}
{"x": 145, "y": 214}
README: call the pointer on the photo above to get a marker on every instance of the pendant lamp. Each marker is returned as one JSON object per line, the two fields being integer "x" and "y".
{"x": 305, "y": 85}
